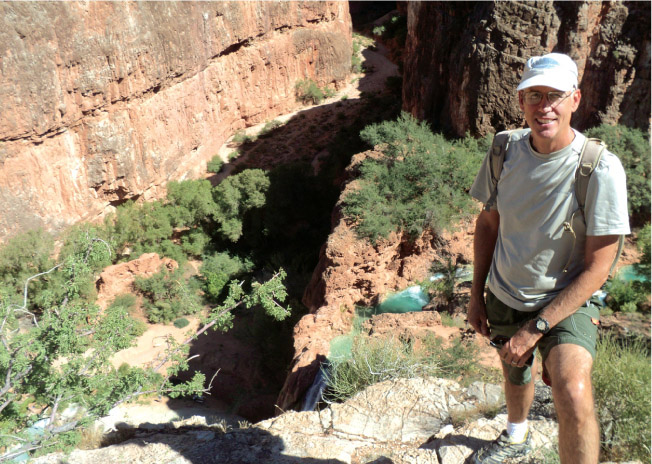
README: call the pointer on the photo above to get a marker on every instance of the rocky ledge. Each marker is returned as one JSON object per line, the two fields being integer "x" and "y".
{"x": 405, "y": 421}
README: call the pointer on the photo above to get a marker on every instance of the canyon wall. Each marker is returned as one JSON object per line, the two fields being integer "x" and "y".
{"x": 101, "y": 102}
{"x": 463, "y": 60}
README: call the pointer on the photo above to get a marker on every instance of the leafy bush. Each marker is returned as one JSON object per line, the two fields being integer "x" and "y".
{"x": 195, "y": 242}
{"x": 307, "y": 91}
{"x": 241, "y": 137}
{"x": 632, "y": 146}
{"x": 420, "y": 180}
{"x": 190, "y": 202}
{"x": 379, "y": 30}
{"x": 215, "y": 164}
{"x": 626, "y": 296}
{"x": 217, "y": 270}
{"x": 139, "y": 228}
{"x": 181, "y": 323}
{"x": 170, "y": 295}
{"x": 621, "y": 379}
{"x": 630, "y": 296}
{"x": 22, "y": 256}
{"x": 443, "y": 287}
{"x": 236, "y": 195}
{"x": 269, "y": 127}
{"x": 356, "y": 60}
{"x": 643, "y": 244}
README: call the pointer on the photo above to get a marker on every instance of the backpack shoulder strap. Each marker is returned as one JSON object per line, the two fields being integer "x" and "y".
{"x": 589, "y": 159}
{"x": 496, "y": 160}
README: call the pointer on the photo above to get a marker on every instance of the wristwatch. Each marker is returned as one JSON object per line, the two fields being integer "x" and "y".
{"x": 541, "y": 325}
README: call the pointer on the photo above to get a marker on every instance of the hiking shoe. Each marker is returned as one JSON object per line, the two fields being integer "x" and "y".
{"x": 502, "y": 449}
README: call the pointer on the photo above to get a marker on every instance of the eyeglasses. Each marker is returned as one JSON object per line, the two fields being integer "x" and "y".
{"x": 554, "y": 97}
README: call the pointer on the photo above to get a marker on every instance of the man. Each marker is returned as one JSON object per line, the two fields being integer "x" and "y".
{"x": 541, "y": 276}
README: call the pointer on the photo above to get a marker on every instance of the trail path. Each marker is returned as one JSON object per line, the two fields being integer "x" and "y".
{"x": 345, "y": 101}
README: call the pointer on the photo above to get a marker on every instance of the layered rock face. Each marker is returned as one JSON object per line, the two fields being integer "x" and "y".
{"x": 463, "y": 61}
{"x": 101, "y": 102}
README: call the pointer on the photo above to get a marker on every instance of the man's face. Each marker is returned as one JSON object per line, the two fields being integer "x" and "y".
{"x": 550, "y": 122}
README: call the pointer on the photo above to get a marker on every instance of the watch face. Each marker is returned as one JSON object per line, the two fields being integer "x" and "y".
{"x": 541, "y": 326}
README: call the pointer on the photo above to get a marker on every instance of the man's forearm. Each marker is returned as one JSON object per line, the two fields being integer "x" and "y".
{"x": 600, "y": 253}
{"x": 484, "y": 243}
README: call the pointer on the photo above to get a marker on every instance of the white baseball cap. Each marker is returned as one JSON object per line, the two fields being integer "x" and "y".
{"x": 554, "y": 70}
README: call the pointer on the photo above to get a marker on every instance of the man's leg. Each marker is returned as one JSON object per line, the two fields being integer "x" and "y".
{"x": 519, "y": 397}
{"x": 569, "y": 367}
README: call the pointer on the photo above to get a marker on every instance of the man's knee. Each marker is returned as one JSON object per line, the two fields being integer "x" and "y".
{"x": 569, "y": 367}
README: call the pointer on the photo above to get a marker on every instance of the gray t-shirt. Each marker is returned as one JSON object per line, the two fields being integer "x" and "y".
{"x": 535, "y": 197}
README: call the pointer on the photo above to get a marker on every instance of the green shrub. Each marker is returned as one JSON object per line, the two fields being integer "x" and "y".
{"x": 419, "y": 181}
{"x": 181, "y": 323}
{"x": 356, "y": 59}
{"x": 217, "y": 270}
{"x": 269, "y": 127}
{"x": 195, "y": 242}
{"x": 126, "y": 301}
{"x": 169, "y": 295}
{"x": 643, "y": 244}
{"x": 632, "y": 146}
{"x": 235, "y": 196}
{"x": 445, "y": 286}
{"x": 190, "y": 202}
{"x": 626, "y": 296}
{"x": 307, "y": 91}
{"x": 621, "y": 379}
{"x": 25, "y": 255}
{"x": 139, "y": 227}
{"x": 215, "y": 164}
{"x": 242, "y": 137}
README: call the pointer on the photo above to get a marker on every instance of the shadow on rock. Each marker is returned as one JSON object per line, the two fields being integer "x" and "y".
{"x": 196, "y": 445}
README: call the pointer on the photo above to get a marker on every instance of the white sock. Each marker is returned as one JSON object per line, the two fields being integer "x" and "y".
{"x": 517, "y": 432}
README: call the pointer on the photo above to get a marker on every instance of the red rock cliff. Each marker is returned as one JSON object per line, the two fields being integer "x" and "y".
{"x": 106, "y": 101}
{"x": 463, "y": 60}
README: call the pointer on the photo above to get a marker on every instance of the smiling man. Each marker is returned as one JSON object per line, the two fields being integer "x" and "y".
{"x": 544, "y": 261}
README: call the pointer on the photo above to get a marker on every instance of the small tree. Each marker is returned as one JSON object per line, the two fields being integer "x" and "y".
{"x": 55, "y": 371}
{"x": 236, "y": 195}
{"x": 215, "y": 164}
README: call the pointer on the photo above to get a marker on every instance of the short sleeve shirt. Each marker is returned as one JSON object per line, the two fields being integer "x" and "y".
{"x": 535, "y": 197}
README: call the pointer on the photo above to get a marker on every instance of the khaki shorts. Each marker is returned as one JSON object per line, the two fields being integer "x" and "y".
{"x": 580, "y": 328}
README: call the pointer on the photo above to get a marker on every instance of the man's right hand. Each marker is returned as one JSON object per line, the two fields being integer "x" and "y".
{"x": 476, "y": 315}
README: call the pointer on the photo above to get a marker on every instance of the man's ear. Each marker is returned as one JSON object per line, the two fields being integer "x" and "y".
{"x": 521, "y": 104}
{"x": 575, "y": 99}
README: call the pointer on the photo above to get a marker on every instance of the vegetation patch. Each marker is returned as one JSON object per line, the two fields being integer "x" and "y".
{"x": 309, "y": 92}
{"x": 419, "y": 181}
{"x": 215, "y": 164}
{"x": 169, "y": 295}
{"x": 375, "y": 360}
{"x": 632, "y": 146}
{"x": 634, "y": 295}
{"x": 621, "y": 379}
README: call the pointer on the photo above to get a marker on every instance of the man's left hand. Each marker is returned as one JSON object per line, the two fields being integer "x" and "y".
{"x": 520, "y": 347}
